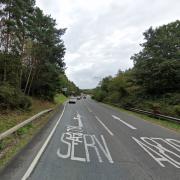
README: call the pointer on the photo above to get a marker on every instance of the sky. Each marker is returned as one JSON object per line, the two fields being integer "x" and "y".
{"x": 102, "y": 35}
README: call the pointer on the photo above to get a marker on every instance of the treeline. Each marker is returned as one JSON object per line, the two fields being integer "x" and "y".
{"x": 154, "y": 81}
{"x": 31, "y": 54}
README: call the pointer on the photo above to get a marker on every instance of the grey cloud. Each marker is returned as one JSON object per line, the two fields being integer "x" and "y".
{"x": 101, "y": 40}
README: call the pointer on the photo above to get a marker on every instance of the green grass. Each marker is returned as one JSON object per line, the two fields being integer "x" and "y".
{"x": 11, "y": 118}
{"x": 164, "y": 123}
{"x": 15, "y": 142}
{"x": 60, "y": 99}
{"x": 11, "y": 145}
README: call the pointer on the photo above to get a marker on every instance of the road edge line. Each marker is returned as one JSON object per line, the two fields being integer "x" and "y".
{"x": 40, "y": 152}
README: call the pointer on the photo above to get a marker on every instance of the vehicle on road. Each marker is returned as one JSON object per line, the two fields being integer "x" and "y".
{"x": 72, "y": 100}
{"x": 79, "y": 98}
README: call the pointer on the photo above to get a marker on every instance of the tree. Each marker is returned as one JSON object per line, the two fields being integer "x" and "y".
{"x": 157, "y": 66}
{"x": 31, "y": 50}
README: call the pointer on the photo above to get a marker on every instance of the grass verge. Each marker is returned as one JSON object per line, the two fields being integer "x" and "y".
{"x": 12, "y": 144}
{"x": 164, "y": 123}
{"x": 60, "y": 99}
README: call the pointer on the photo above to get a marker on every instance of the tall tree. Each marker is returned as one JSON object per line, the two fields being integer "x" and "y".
{"x": 157, "y": 66}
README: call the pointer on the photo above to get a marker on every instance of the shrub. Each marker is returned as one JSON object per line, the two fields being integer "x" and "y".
{"x": 172, "y": 98}
{"x": 113, "y": 97}
{"x": 11, "y": 97}
{"x": 155, "y": 107}
{"x": 100, "y": 95}
{"x": 177, "y": 109}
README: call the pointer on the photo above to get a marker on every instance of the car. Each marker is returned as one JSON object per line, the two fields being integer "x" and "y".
{"x": 79, "y": 97}
{"x": 72, "y": 100}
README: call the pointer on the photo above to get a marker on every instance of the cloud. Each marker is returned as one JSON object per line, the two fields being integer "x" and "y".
{"x": 103, "y": 35}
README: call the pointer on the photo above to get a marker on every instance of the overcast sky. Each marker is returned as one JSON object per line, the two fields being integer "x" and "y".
{"x": 102, "y": 35}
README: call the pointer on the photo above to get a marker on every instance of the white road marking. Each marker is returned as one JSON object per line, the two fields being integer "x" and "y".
{"x": 69, "y": 148}
{"x": 159, "y": 152}
{"x": 104, "y": 149}
{"x": 39, "y": 154}
{"x": 79, "y": 120}
{"x": 130, "y": 126}
{"x": 70, "y": 140}
{"x": 174, "y": 142}
{"x": 104, "y": 126}
{"x": 92, "y": 145}
{"x": 76, "y": 139}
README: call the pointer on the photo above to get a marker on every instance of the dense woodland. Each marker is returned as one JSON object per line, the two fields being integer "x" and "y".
{"x": 31, "y": 55}
{"x": 154, "y": 81}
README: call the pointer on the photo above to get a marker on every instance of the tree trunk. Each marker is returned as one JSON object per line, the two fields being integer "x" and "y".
{"x": 32, "y": 78}
{"x": 5, "y": 71}
{"x": 27, "y": 82}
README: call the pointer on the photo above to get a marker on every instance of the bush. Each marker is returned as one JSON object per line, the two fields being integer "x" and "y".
{"x": 177, "y": 109}
{"x": 154, "y": 106}
{"x": 11, "y": 97}
{"x": 113, "y": 97}
{"x": 100, "y": 95}
{"x": 172, "y": 98}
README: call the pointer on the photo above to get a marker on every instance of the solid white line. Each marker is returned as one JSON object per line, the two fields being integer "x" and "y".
{"x": 130, "y": 126}
{"x": 39, "y": 154}
{"x": 104, "y": 126}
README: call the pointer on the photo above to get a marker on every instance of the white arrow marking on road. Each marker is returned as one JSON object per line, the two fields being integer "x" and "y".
{"x": 130, "y": 126}
{"x": 79, "y": 120}
{"x": 104, "y": 126}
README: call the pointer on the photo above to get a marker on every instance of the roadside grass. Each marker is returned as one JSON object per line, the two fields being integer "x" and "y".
{"x": 11, "y": 118}
{"x": 164, "y": 123}
{"x": 12, "y": 144}
{"x": 60, "y": 99}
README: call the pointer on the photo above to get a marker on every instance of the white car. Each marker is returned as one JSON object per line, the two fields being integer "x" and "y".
{"x": 72, "y": 100}
{"x": 79, "y": 98}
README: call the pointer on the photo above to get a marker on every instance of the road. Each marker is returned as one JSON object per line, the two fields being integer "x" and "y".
{"x": 94, "y": 141}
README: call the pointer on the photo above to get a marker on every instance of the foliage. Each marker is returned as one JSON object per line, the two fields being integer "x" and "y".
{"x": 10, "y": 97}
{"x": 60, "y": 98}
{"x": 72, "y": 89}
{"x": 154, "y": 81}
{"x": 31, "y": 53}
{"x": 177, "y": 109}
{"x": 24, "y": 129}
{"x": 157, "y": 66}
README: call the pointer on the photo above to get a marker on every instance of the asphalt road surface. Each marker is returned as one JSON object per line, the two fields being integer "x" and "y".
{"x": 92, "y": 141}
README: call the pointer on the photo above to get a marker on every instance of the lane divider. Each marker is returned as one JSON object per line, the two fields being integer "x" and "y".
{"x": 128, "y": 125}
{"x": 39, "y": 154}
{"x": 104, "y": 126}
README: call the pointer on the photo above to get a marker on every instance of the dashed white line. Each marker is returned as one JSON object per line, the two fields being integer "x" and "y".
{"x": 104, "y": 126}
{"x": 130, "y": 126}
{"x": 39, "y": 154}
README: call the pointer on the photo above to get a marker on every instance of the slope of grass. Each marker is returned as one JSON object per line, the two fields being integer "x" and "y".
{"x": 10, "y": 118}
{"x": 60, "y": 99}
{"x": 12, "y": 144}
